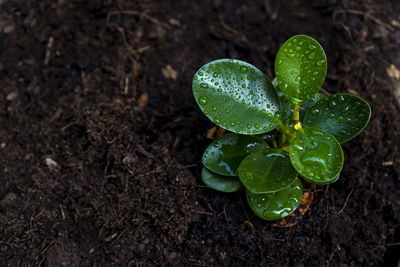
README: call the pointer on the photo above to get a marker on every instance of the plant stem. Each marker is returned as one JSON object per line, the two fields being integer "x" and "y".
{"x": 296, "y": 114}
{"x": 296, "y": 118}
{"x": 282, "y": 127}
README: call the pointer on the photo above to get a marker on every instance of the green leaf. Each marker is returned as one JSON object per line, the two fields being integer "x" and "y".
{"x": 273, "y": 206}
{"x": 224, "y": 155}
{"x": 266, "y": 171}
{"x": 342, "y": 115}
{"x": 219, "y": 182}
{"x": 307, "y": 106}
{"x": 316, "y": 155}
{"x": 236, "y": 96}
{"x": 300, "y": 68}
{"x": 325, "y": 181}
{"x": 286, "y": 105}
{"x": 269, "y": 137}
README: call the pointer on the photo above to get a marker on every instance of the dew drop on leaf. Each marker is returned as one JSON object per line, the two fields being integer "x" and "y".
{"x": 243, "y": 69}
{"x": 202, "y": 100}
{"x": 311, "y": 56}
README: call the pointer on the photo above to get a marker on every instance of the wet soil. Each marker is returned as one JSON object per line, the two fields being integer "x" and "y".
{"x": 101, "y": 139}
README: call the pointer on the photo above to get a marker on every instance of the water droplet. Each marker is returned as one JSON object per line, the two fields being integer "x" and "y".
{"x": 202, "y": 100}
{"x": 203, "y": 85}
{"x": 200, "y": 73}
{"x": 297, "y": 79}
{"x": 195, "y": 78}
{"x": 214, "y": 108}
{"x": 311, "y": 56}
{"x": 314, "y": 110}
{"x": 217, "y": 120}
{"x": 315, "y": 73}
{"x": 257, "y": 126}
{"x": 331, "y": 115}
{"x": 248, "y": 126}
{"x": 215, "y": 75}
{"x": 243, "y": 69}
{"x": 320, "y": 62}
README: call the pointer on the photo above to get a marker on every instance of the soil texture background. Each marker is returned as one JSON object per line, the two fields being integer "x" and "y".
{"x": 101, "y": 139}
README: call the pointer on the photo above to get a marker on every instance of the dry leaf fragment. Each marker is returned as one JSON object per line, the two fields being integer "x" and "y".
{"x": 174, "y": 22}
{"x": 169, "y": 72}
{"x": 393, "y": 72}
{"x": 143, "y": 99}
{"x": 210, "y": 132}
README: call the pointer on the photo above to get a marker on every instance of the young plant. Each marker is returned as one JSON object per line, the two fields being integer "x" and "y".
{"x": 282, "y": 130}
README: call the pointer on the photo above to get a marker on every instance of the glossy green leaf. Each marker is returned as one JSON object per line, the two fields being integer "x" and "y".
{"x": 236, "y": 96}
{"x": 300, "y": 68}
{"x": 267, "y": 170}
{"x": 325, "y": 181}
{"x": 269, "y": 136}
{"x": 307, "y": 106}
{"x": 273, "y": 206}
{"x": 224, "y": 155}
{"x": 219, "y": 182}
{"x": 316, "y": 155}
{"x": 342, "y": 115}
{"x": 286, "y": 105}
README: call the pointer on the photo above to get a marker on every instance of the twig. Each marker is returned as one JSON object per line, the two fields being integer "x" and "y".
{"x": 345, "y": 203}
{"x": 366, "y": 14}
{"x": 392, "y": 244}
{"x": 140, "y": 14}
{"x": 325, "y": 92}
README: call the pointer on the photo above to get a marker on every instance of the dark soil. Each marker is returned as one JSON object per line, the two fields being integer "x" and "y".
{"x": 101, "y": 142}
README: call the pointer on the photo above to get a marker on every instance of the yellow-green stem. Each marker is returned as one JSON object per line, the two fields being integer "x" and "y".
{"x": 296, "y": 118}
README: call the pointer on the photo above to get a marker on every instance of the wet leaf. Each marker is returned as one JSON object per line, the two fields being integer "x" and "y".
{"x": 221, "y": 183}
{"x": 307, "y": 106}
{"x": 273, "y": 206}
{"x": 286, "y": 105}
{"x": 342, "y": 115}
{"x": 316, "y": 155}
{"x": 267, "y": 170}
{"x": 300, "y": 68}
{"x": 269, "y": 137}
{"x": 326, "y": 181}
{"x": 224, "y": 155}
{"x": 236, "y": 96}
